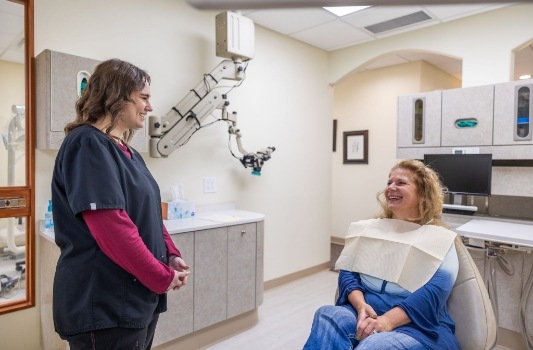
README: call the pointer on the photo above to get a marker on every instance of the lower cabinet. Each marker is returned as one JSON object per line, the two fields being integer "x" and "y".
{"x": 210, "y": 277}
{"x": 177, "y": 321}
{"x": 225, "y": 265}
{"x": 226, "y": 280}
{"x": 241, "y": 269}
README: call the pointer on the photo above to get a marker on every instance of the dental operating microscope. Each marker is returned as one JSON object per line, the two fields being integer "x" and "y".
{"x": 235, "y": 41}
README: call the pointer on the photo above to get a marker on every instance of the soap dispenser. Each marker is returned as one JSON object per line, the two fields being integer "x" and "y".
{"x": 48, "y": 218}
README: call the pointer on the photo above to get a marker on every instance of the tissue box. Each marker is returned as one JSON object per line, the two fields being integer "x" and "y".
{"x": 178, "y": 210}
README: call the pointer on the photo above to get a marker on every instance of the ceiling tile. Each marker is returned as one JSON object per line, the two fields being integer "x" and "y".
{"x": 5, "y": 40}
{"x": 332, "y": 35}
{"x": 11, "y": 24}
{"x": 11, "y": 7}
{"x": 290, "y": 21}
{"x": 449, "y": 12}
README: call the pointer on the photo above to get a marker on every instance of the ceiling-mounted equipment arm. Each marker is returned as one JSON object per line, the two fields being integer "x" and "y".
{"x": 177, "y": 126}
{"x": 235, "y": 42}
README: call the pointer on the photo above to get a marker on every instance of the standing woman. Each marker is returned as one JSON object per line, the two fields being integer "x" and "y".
{"x": 117, "y": 259}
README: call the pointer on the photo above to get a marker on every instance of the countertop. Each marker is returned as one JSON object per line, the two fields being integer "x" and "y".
{"x": 212, "y": 219}
{"x": 202, "y": 221}
{"x": 494, "y": 229}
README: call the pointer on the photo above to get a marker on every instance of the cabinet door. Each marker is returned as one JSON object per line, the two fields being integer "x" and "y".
{"x": 178, "y": 320}
{"x": 58, "y": 83}
{"x": 419, "y": 120}
{"x": 242, "y": 245}
{"x": 58, "y": 78}
{"x": 512, "y": 113}
{"x": 467, "y": 116}
{"x": 210, "y": 276}
{"x": 259, "y": 275}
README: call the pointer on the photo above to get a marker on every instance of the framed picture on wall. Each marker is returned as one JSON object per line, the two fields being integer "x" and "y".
{"x": 356, "y": 147}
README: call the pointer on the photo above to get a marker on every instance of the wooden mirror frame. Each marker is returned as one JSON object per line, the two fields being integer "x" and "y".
{"x": 27, "y": 191}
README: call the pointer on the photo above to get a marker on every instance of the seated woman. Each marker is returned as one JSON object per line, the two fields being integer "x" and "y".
{"x": 396, "y": 273}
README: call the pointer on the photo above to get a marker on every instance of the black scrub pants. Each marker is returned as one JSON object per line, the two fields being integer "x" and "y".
{"x": 115, "y": 338}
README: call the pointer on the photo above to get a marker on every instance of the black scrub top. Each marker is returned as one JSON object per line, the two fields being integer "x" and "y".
{"x": 90, "y": 291}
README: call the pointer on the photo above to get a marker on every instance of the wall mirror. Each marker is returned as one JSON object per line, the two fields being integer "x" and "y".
{"x": 17, "y": 226}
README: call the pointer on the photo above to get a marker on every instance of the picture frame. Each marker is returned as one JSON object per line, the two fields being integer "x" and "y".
{"x": 355, "y": 147}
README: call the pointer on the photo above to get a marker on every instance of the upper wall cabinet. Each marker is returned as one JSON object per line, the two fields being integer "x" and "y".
{"x": 490, "y": 119}
{"x": 60, "y": 79}
{"x": 467, "y": 116}
{"x": 512, "y": 111}
{"x": 419, "y": 120}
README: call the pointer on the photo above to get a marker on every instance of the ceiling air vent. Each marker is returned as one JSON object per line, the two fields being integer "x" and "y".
{"x": 399, "y": 22}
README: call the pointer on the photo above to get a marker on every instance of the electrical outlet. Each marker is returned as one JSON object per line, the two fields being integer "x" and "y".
{"x": 210, "y": 184}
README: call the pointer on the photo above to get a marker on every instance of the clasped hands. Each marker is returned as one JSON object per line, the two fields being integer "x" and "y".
{"x": 181, "y": 272}
{"x": 368, "y": 322}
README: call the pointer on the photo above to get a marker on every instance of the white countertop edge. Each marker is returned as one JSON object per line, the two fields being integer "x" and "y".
{"x": 458, "y": 218}
{"x": 236, "y": 217}
{"x": 514, "y": 241}
{"x": 514, "y": 233}
{"x": 207, "y": 220}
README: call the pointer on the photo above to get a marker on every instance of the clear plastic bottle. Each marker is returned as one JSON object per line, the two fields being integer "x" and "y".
{"x": 48, "y": 218}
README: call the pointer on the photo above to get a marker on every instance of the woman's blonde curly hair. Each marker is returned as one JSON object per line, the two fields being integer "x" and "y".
{"x": 430, "y": 192}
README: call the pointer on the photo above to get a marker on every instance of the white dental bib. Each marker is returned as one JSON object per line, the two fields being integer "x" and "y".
{"x": 395, "y": 250}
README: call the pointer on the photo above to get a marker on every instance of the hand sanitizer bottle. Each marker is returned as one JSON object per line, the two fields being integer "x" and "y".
{"x": 48, "y": 218}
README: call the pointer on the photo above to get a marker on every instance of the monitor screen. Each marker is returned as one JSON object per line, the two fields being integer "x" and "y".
{"x": 469, "y": 174}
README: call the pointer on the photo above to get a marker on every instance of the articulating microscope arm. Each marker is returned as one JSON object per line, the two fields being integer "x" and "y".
{"x": 176, "y": 128}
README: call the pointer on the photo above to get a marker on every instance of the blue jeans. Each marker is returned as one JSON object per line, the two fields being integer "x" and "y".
{"x": 334, "y": 328}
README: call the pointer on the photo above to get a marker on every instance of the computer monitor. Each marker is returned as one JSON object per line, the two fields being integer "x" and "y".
{"x": 469, "y": 174}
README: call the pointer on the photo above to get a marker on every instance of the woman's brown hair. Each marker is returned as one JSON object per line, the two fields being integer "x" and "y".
{"x": 108, "y": 90}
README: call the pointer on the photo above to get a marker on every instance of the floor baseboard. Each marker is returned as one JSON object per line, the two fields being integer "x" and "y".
{"x": 295, "y": 276}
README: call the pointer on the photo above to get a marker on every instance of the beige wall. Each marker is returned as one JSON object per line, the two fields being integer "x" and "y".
{"x": 368, "y": 101}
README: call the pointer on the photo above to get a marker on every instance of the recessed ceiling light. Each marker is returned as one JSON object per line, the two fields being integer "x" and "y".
{"x": 526, "y": 76}
{"x": 344, "y": 10}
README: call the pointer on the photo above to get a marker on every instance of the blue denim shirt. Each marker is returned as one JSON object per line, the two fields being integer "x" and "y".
{"x": 426, "y": 307}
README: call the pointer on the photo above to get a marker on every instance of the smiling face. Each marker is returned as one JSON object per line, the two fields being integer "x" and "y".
{"x": 402, "y": 196}
{"x": 134, "y": 113}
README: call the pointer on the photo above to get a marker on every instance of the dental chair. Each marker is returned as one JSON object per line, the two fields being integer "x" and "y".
{"x": 469, "y": 305}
